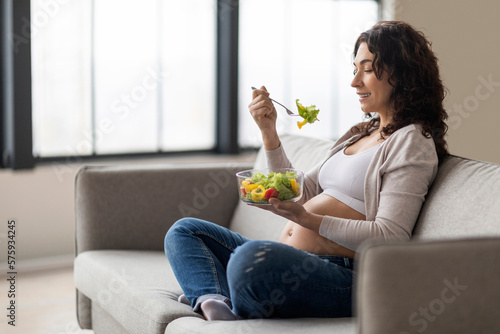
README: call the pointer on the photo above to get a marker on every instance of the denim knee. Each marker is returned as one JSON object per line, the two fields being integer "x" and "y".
{"x": 182, "y": 226}
{"x": 249, "y": 250}
{"x": 249, "y": 261}
{"x": 251, "y": 277}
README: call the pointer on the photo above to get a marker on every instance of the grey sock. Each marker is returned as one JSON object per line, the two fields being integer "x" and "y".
{"x": 182, "y": 299}
{"x": 213, "y": 309}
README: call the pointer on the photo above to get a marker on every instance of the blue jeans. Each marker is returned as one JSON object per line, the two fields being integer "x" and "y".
{"x": 257, "y": 279}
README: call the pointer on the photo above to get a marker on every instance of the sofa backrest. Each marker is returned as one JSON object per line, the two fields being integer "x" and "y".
{"x": 464, "y": 201}
{"x": 304, "y": 153}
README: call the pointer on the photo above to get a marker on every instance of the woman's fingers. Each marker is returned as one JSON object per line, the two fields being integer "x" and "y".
{"x": 261, "y": 108}
{"x": 259, "y": 96}
{"x": 261, "y": 91}
{"x": 259, "y": 100}
{"x": 262, "y": 111}
{"x": 288, "y": 210}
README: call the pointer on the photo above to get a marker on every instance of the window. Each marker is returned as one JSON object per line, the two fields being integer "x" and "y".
{"x": 109, "y": 77}
{"x": 301, "y": 49}
{"x": 123, "y": 76}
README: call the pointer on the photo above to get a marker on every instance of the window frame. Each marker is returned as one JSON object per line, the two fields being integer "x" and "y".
{"x": 16, "y": 126}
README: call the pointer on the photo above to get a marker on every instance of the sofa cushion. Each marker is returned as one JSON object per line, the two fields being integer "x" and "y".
{"x": 264, "y": 326}
{"x": 132, "y": 207}
{"x": 304, "y": 153}
{"x": 137, "y": 288}
{"x": 464, "y": 201}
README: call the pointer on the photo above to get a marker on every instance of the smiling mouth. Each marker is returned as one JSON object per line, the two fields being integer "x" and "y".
{"x": 364, "y": 95}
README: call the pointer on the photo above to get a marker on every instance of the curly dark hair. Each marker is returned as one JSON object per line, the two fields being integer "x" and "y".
{"x": 413, "y": 72}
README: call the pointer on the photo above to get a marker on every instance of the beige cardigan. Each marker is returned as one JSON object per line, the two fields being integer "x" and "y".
{"x": 396, "y": 183}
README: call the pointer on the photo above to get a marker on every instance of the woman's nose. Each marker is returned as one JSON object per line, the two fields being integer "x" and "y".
{"x": 356, "y": 82}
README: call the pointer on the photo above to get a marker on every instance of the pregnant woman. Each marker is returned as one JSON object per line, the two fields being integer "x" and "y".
{"x": 370, "y": 186}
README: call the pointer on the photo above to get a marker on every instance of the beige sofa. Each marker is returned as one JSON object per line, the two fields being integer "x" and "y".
{"x": 445, "y": 280}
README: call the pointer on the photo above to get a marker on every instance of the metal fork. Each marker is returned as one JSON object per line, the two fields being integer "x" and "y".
{"x": 288, "y": 111}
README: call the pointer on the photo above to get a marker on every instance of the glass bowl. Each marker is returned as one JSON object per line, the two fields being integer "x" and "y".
{"x": 257, "y": 186}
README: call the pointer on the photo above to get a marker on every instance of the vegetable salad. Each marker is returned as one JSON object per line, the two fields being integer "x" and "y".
{"x": 260, "y": 188}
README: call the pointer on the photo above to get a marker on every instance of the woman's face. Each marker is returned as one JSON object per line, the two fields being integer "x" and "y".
{"x": 374, "y": 94}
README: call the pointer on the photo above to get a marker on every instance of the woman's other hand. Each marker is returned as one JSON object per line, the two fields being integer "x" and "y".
{"x": 264, "y": 114}
{"x": 295, "y": 212}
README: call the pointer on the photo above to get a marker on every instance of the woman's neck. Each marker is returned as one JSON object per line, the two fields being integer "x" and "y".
{"x": 385, "y": 119}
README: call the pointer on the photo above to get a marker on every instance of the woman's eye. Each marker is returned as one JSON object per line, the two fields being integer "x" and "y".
{"x": 366, "y": 71}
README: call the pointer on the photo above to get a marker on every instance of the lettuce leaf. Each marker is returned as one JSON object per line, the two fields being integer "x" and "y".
{"x": 282, "y": 184}
{"x": 309, "y": 114}
{"x": 262, "y": 179}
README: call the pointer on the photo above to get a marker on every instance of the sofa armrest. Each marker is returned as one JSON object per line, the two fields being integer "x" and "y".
{"x": 450, "y": 286}
{"x": 133, "y": 207}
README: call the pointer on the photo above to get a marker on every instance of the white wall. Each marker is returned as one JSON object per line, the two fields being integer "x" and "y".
{"x": 43, "y": 208}
{"x": 465, "y": 38}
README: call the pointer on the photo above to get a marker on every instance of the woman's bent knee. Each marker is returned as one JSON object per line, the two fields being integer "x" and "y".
{"x": 185, "y": 225}
{"x": 181, "y": 227}
{"x": 250, "y": 265}
{"x": 248, "y": 257}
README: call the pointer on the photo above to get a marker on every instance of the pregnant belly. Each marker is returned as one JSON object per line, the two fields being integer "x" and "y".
{"x": 309, "y": 241}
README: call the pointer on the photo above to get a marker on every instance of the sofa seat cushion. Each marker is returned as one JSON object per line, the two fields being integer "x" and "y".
{"x": 264, "y": 326}
{"x": 137, "y": 288}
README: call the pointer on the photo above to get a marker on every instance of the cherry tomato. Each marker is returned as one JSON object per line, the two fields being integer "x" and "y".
{"x": 270, "y": 193}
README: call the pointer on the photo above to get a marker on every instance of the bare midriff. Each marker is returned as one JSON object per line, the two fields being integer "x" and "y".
{"x": 302, "y": 238}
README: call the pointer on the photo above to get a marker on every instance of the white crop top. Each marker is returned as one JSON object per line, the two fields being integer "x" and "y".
{"x": 342, "y": 176}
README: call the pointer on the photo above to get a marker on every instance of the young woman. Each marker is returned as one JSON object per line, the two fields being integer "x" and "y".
{"x": 371, "y": 186}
